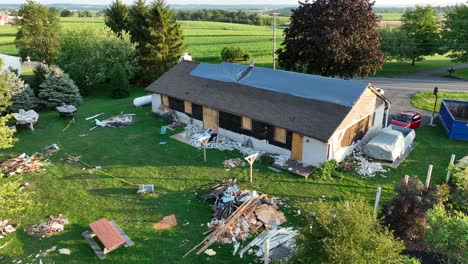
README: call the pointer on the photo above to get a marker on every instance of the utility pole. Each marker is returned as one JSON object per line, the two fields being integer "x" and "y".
{"x": 274, "y": 39}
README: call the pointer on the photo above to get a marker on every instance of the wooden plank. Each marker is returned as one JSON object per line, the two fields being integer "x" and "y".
{"x": 210, "y": 119}
{"x": 246, "y": 123}
{"x": 94, "y": 246}
{"x": 280, "y": 135}
{"x": 107, "y": 234}
{"x": 188, "y": 107}
{"x": 165, "y": 100}
{"x": 297, "y": 144}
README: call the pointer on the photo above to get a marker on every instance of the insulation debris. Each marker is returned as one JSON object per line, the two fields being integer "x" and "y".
{"x": 22, "y": 164}
{"x": 233, "y": 163}
{"x": 238, "y": 214}
{"x": 194, "y": 132}
{"x": 166, "y": 223}
{"x": 368, "y": 169}
{"x": 51, "y": 226}
{"x": 116, "y": 121}
{"x": 6, "y": 228}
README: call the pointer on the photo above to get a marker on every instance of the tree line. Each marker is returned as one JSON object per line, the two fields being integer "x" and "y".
{"x": 219, "y": 15}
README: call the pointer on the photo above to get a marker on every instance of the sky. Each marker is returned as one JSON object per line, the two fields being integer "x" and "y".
{"x": 243, "y": 2}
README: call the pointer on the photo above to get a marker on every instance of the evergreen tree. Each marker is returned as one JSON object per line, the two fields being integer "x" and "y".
{"x": 422, "y": 27}
{"x": 138, "y": 27}
{"x": 38, "y": 32}
{"x": 58, "y": 88}
{"x": 117, "y": 17}
{"x": 6, "y": 134}
{"x": 22, "y": 96}
{"x": 119, "y": 82}
{"x": 40, "y": 73}
{"x": 165, "y": 43}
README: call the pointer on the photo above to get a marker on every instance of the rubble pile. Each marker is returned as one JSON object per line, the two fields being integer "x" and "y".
{"x": 194, "y": 132}
{"x": 368, "y": 169}
{"x": 22, "y": 164}
{"x": 6, "y": 228}
{"x": 238, "y": 214}
{"x": 233, "y": 163}
{"x": 116, "y": 121}
{"x": 51, "y": 226}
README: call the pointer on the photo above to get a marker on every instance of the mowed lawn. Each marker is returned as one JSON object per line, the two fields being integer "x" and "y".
{"x": 180, "y": 178}
{"x": 425, "y": 99}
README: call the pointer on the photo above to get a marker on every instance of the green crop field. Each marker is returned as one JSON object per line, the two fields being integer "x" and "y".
{"x": 389, "y": 16}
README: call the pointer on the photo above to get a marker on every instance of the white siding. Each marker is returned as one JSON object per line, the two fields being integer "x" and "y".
{"x": 314, "y": 152}
{"x": 156, "y": 103}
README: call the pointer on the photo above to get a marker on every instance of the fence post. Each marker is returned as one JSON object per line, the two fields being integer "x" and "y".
{"x": 428, "y": 177}
{"x": 377, "y": 200}
{"x": 452, "y": 161}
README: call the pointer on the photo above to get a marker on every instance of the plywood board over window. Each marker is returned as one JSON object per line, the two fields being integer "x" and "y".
{"x": 280, "y": 135}
{"x": 165, "y": 100}
{"x": 356, "y": 132}
{"x": 297, "y": 146}
{"x": 210, "y": 119}
{"x": 188, "y": 107}
{"x": 246, "y": 123}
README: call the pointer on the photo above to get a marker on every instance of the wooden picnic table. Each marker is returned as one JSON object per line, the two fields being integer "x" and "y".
{"x": 110, "y": 235}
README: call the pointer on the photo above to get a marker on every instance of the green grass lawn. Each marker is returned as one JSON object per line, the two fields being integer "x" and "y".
{"x": 395, "y": 68}
{"x": 179, "y": 174}
{"x": 425, "y": 99}
{"x": 461, "y": 74}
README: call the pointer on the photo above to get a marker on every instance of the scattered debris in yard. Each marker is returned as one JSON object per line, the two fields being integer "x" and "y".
{"x": 51, "y": 149}
{"x": 282, "y": 243}
{"x": 166, "y": 223}
{"x": 116, "y": 121}
{"x": 51, "y": 226}
{"x": 193, "y": 132}
{"x": 6, "y": 228}
{"x": 233, "y": 163}
{"x": 239, "y": 214}
{"x": 22, "y": 164}
{"x": 73, "y": 158}
{"x": 94, "y": 116}
{"x": 368, "y": 169}
{"x": 145, "y": 188}
{"x": 64, "y": 251}
{"x": 210, "y": 252}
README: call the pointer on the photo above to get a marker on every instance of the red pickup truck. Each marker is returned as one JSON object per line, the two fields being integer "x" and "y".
{"x": 408, "y": 119}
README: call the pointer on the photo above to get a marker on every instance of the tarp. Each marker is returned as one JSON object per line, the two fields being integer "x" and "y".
{"x": 390, "y": 143}
{"x": 11, "y": 61}
{"x": 338, "y": 91}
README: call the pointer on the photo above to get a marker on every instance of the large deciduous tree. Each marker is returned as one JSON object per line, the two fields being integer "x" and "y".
{"x": 332, "y": 38}
{"x": 396, "y": 44}
{"x": 422, "y": 26}
{"x": 38, "y": 32}
{"x": 455, "y": 33}
{"x": 117, "y": 16}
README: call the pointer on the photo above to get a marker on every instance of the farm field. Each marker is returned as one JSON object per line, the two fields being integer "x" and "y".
{"x": 205, "y": 40}
{"x": 180, "y": 178}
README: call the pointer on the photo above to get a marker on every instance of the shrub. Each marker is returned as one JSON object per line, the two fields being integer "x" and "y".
{"x": 347, "y": 233}
{"x": 448, "y": 234}
{"x": 119, "y": 82}
{"x": 267, "y": 159}
{"x": 13, "y": 200}
{"x": 58, "y": 88}
{"x": 233, "y": 54}
{"x": 459, "y": 197}
{"x": 407, "y": 212}
{"x": 22, "y": 97}
{"x": 327, "y": 170}
{"x": 40, "y": 73}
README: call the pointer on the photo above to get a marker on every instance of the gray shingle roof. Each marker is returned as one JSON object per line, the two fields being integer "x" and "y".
{"x": 310, "y": 117}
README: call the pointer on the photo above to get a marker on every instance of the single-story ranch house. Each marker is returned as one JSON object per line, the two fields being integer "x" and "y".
{"x": 311, "y": 118}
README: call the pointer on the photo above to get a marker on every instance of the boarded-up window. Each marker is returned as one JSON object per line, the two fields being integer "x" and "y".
{"x": 280, "y": 135}
{"x": 165, "y": 100}
{"x": 356, "y": 132}
{"x": 246, "y": 123}
{"x": 210, "y": 119}
{"x": 188, "y": 107}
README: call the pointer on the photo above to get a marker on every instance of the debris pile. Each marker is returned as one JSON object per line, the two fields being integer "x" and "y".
{"x": 194, "y": 132}
{"x": 238, "y": 214}
{"x": 166, "y": 223}
{"x": 233, "y": 163}
{"x": 51, "y": 226}
{"x": 22, "y": 164}
{"x": 116, "y": 121}
{"x": 368, "y": 169}
{"x": 51, "y": 149}
{"x": 6, "y": 228}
